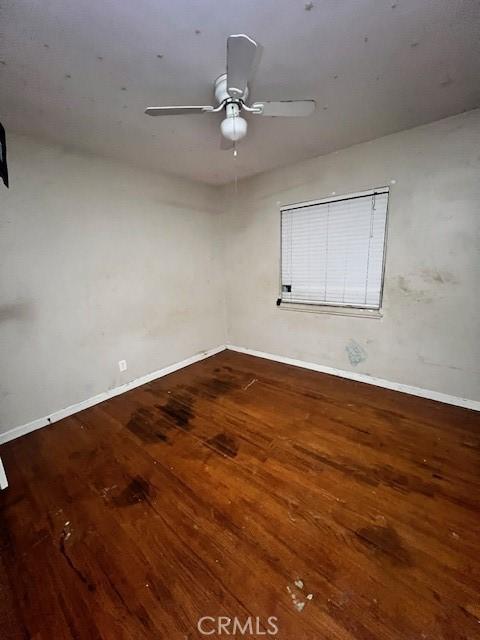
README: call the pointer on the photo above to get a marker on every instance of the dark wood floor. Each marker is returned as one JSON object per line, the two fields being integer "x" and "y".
{"x": 242, "y": 487}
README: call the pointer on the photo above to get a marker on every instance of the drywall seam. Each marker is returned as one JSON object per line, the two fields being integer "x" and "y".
{"x": 23, "y": 429}
{"x": 362, "y": 377}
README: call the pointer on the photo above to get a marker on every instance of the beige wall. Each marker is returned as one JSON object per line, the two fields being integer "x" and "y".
{"x": 429, "y": 334}
{"x": 98, "y": 263}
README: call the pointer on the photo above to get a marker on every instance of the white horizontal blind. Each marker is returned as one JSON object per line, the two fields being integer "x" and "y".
{"x": 332, "y": 252}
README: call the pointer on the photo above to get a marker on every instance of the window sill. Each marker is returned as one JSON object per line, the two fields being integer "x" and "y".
{"x": 331, "y": 310}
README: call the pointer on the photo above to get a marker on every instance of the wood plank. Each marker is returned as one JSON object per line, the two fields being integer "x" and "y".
{"x": 238, "y": 487}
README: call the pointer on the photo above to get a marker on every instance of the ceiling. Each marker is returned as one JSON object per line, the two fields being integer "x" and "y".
{"x": 82, "y": 72}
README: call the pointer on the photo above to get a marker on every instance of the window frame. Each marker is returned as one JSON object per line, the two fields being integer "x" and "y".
{"x": 356, "y": 310}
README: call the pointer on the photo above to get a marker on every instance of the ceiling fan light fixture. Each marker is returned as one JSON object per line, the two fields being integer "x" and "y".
{"x": 231, "y": 93}
{"x": 234, "y": 127}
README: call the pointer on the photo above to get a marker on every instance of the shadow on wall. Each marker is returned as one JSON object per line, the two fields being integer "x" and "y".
{"x": 16, "y": 311}
{"x": 3, "y": 156}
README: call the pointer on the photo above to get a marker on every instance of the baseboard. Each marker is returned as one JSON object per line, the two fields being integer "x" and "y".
{"x": 3, "y": 477}
{"x": 23, "y": 429}
{"x": 362, "y": 377}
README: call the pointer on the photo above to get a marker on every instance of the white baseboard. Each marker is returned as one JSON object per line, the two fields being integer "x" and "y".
{"x": 3, "y": 477}
{"x": 362, "y": 377}
{"x": 23, "y": 429}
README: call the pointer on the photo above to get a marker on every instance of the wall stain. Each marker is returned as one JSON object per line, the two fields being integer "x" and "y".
{"x": 225, "y": 444}
{"x": 404, "y": 285}
{"x": 355, "y": 352}
{"x": 385, "y": 541}
{"x": 446, "y": 81}
{"x": 438, "y": 364}
{"x": 409, "y": 290}
{"x": 434, "y": 277}
{"x": 137, "y": 490}
{"x": 438, "y": 277}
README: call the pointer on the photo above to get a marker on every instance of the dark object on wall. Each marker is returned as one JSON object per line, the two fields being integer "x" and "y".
{"x": 3, "y": 156}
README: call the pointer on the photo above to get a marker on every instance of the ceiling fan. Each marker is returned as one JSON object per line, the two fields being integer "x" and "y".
{"x": 231, "y": 93}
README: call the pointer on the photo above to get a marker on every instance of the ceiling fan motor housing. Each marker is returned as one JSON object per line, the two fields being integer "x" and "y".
{"x": 220, "y": 90}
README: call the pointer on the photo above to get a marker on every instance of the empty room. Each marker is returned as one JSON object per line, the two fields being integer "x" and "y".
{"x": 240, "y": 320}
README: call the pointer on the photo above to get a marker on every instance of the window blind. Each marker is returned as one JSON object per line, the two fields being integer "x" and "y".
{"x": 332, "y": 252}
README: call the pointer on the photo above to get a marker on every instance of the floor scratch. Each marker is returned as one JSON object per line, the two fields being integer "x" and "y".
{"x": 252, "y": 381}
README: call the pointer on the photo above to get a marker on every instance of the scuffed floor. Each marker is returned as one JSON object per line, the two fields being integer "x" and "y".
{"x": 252, "y": 491}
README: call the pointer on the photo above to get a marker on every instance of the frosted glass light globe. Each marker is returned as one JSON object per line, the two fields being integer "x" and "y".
{"x": 234, "y": 128}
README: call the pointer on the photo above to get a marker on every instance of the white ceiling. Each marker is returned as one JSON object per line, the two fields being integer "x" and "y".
{"x": 81, "y": 72}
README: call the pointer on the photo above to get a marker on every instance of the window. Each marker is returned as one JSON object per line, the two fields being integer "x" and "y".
{"x": 333, "y": 251}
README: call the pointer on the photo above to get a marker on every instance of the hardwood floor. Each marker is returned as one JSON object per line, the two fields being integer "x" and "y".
{"x": 242, "y": 487}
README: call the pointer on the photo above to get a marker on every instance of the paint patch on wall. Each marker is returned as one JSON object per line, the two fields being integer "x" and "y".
{"x": 355, "y": 352}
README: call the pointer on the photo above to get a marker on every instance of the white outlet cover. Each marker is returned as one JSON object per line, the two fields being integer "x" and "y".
{"x": 122, "y": 365}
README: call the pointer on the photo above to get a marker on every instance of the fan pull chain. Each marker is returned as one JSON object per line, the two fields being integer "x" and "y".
{"x": 235, "y": 154}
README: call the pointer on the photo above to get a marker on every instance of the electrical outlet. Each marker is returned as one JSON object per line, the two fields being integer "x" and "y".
{"x": 122, "y": 365}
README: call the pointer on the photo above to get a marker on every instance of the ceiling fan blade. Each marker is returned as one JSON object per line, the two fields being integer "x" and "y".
{"x": 285, "y": 108}
{"x": 176, "y": 111}
{"x": 243, "y": 56}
